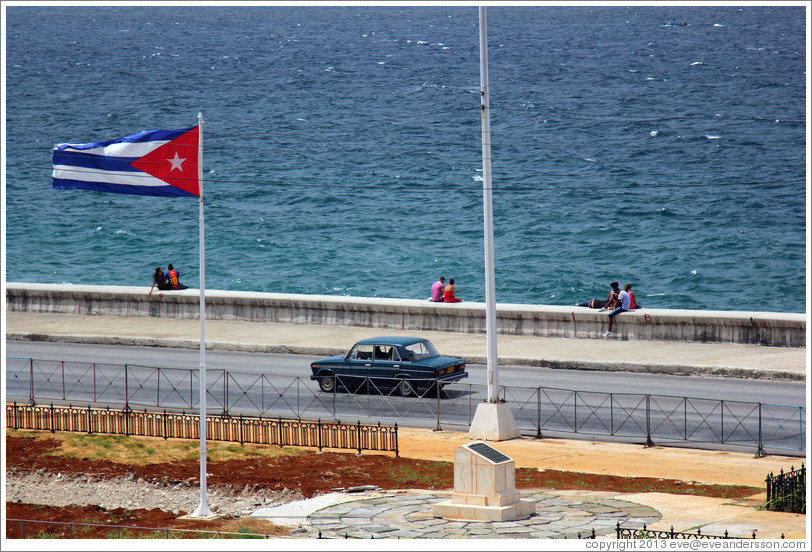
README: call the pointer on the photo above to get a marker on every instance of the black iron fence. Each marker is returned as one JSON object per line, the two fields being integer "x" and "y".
{"x": 538, "y": 411}
{"x": 786, "y": 492}
{"x": 645, "y": 533}
{"x": 181, "y": 425}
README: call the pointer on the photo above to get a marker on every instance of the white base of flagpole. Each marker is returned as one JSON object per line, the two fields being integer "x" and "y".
{"x": 493, "y": 422}
{"x": 202, "y": 511}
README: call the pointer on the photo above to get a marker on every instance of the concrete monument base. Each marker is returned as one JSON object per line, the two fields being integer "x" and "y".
{"x": 493, "y": 422}
{"x": 484, "y": 487}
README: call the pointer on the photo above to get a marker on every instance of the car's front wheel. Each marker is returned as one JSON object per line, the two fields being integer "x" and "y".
{"x": 327, "y": 383}
{"x": 406, "y": 388}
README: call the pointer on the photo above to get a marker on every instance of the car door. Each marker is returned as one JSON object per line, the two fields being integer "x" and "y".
{"x": 386, "y": 365}
{"x": 359, "y": 365}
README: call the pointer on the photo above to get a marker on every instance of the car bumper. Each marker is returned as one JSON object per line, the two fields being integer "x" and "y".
{"x": 452, "y": 377}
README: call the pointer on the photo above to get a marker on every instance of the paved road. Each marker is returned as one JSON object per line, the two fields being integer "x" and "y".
{"x": 703, "y": 411}
{"x": 735, "y": 389}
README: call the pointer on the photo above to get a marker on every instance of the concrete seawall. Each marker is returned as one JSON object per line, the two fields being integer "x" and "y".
{"x": 757, "y": 328}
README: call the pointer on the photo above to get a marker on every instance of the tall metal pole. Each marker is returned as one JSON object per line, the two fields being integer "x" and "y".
{"x": 490, "y": 291}
{"x": 202, "y": 509}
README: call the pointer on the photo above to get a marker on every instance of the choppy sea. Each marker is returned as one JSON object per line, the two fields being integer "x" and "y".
{"x": 342, "y": 149}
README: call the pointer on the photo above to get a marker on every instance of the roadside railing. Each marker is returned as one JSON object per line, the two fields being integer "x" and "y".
{"x": 786, "y": 492}
{"x": 182, "y": 425}
{"x": 539, "y": 411}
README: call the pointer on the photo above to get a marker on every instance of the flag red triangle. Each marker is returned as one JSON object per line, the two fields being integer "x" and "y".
{"x": 175, "y": 162}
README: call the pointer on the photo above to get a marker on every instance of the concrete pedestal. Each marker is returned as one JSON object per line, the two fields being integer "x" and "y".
{"x": 493, "y": 422}
{"x": 484, "y": 487}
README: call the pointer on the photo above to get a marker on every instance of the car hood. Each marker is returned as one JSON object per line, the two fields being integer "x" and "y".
{"x": 334, "y": 358}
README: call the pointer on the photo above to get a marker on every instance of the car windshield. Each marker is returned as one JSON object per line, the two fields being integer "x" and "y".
{"x": 421, "y": 350}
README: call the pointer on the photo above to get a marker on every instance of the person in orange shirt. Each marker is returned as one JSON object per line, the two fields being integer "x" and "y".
{"x": 172, "y": 277}
{"x": 448, "y": 293}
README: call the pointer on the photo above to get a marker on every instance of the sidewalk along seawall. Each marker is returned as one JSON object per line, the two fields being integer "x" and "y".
{"x": 758, "y": 328}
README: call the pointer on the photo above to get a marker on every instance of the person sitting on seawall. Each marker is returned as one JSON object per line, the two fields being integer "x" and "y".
{"x": 159, "y": 279}
{"x": 172, "y": 276}
{"x": 625, "y": 304}
{"x": 612, "y": 300}
{"x": 593, "y": 304}
{"x": 437, "y": 290}
{"x": 633, "y": 303}
{"x": 448, "y": 293}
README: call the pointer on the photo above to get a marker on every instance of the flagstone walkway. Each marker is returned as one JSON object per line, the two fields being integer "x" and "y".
{"x": 409, "y": 515}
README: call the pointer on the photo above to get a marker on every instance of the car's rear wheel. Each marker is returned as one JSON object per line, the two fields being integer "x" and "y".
{"x": 406, "y": 388}
{"x": 327, "y": 383}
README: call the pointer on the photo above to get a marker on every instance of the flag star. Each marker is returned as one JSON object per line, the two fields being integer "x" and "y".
{"x": 176, "y": 163}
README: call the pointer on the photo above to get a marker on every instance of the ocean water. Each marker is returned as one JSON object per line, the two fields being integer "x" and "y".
{"x": 342, "y": 149}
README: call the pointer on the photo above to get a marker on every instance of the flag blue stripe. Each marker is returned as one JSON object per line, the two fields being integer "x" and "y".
{"x": 145, "y": 136}
{"x": 163, "y": 191}
{"x": 90, "y": 161}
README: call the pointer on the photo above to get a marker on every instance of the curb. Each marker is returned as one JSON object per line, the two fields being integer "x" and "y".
{"x": 668, "y": 369}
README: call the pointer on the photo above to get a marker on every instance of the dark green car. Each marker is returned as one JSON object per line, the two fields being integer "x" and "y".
{"x": 405, "y": 363}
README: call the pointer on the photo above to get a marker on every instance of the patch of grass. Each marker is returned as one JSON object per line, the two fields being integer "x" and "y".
{"x": 46, "y": 535}
{"x": 429, "y": 477}
{"x": 136, "y": 450}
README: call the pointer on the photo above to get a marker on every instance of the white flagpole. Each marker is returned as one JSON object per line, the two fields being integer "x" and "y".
{"x": 490, "y": 290}
{"x": 202, "y": 509}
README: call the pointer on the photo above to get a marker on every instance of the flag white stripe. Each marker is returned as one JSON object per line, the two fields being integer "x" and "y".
{"x": 111, "y": 177}
{"x": 125, "y": 149}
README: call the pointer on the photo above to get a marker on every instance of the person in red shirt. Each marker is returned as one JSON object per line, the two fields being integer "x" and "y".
{"x": 448, "y": 293}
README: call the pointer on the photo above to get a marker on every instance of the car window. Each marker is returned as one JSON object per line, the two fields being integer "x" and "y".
{"x": 385, "y": 352}
{"x": 361, "y": 352}
{"x": 420, "y": 350}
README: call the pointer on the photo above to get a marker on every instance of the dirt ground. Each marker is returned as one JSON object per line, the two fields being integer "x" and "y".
{"x": 306, "y": 473}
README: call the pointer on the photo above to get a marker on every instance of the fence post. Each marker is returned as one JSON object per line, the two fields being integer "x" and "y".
{"x": 649, "y": 442}
{"x": 225, "y": 392}
{"x": 722, "y": 418}
{"x": 89, "y": 421}
{"x": 358, "y": 436}
{"x": 165, "y": 426}
{"x": 760, "y": 453}
{"x": 126, "y": 386}
{"x": 31, "y": 383}
{"x": 62, "y": 367}
{"x": 437, "y": 387}
{"x": 575, "y": 411}
{"x": 685, "y": 416}
{"x": 538, "y": 413}
{"x": 611, "y": 414}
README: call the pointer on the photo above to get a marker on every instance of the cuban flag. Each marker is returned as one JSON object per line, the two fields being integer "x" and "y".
{"x": 153, "y": 162}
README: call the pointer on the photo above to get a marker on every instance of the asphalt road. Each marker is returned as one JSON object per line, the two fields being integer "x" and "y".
{"x": 734, "y": 389}
{"x": 688, "y": 411}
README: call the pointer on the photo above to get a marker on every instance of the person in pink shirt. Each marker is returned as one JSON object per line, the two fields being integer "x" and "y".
{"x": 437, "y": 290}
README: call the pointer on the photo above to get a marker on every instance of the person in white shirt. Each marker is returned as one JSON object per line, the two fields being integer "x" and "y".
{"x": 625, "y": 302}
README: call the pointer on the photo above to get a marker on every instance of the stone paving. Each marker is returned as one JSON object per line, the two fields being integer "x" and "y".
{"x": 408, "y": 515}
